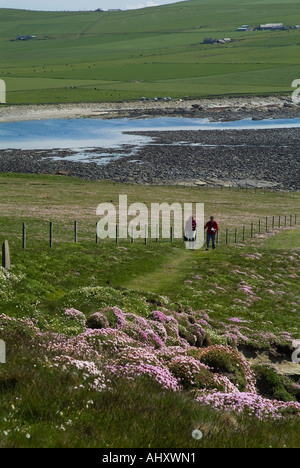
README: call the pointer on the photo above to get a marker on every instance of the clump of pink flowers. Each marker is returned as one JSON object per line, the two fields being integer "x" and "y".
{"x": 237, "y": 320}
{"x": 190, "y": 372}
{"x": 249, "y": 403}
{"x": 159, "y": 374}
{"x": 166, "y": 347}
{"x": 219, "y": 356}
{"x": 76, "y": 315}
{"x": 89, "y": 372}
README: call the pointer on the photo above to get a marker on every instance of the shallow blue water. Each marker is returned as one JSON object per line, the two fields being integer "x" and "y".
{"x": 92, "y": 133}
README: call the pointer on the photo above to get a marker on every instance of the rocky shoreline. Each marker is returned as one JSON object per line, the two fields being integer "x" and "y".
{"x": 226, "y": 109}
{"x": 242, "y": 158}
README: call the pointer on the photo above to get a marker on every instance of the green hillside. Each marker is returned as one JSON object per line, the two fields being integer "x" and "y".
{"x": 92, "y": 56}
{"x": 156, "y": 313}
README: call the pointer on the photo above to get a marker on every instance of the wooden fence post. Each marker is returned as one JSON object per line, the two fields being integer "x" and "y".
{"x": 6, "y": 256}
{"x": 24, "y": 236}
{"x": 51, "y": 235}
{"x": 75, "y": 232}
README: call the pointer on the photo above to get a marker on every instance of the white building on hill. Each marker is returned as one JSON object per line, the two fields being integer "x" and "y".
{"x": 272, "y": 26}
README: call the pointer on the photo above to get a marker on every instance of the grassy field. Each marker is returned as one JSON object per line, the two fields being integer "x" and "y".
{"x": 159, "y": 51}
{"x": 244, "y": 295}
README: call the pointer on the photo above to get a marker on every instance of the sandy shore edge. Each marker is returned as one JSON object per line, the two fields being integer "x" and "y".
{"x": 208, "y": 107}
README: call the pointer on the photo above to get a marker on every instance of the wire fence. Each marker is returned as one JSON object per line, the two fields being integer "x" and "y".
{"x": 224, "y": 236}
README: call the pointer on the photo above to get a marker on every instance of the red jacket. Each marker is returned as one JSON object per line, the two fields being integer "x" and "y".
{"x": 212, "y": 227}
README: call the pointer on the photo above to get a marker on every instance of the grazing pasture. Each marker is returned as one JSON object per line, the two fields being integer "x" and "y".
{"x": 159, "y": 51}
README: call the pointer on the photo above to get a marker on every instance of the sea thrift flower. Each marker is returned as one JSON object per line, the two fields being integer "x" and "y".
{"x": 237, "y": 320}
{"x": 76, "y": 315}
{"x": 191, "y": 372}
{"x": 133, "y": 347}
{"x": 115, "y": 316}
{"x": 159, "y": 316}
{"x": 90, "y": 372}
{"x": 158, "y": 373}
{"x": 221, "y": 381}
{"x": 253, "y": 405}
{"x": 220, "y": 353}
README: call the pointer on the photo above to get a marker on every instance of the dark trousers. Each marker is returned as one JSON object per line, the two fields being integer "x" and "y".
{"x": 211, "y": 237}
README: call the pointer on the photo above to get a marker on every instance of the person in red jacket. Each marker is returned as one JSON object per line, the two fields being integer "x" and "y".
{"x": 190, "y": 233}
{"x": 212, "y": 229}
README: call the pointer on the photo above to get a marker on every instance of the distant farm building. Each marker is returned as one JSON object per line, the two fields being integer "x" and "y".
{"x": 245, "y": 27}
{"x": 208, "y": 40}
{"x": 25, "y": 38}
{"x": 272, "y": 27}
{"x": 267, "y": 27}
